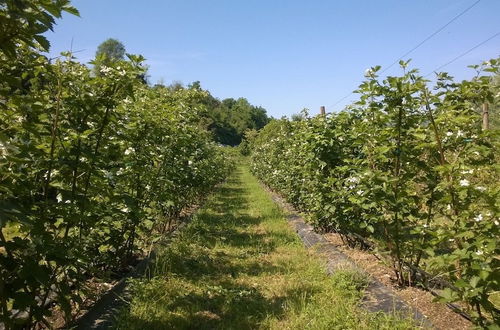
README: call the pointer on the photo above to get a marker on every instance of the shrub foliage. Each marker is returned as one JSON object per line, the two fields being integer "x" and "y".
{"x": 408, "y": 167}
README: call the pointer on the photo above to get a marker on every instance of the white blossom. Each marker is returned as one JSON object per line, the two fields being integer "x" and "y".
{"x": 108, "y": 175}
{"x": 464, "y": 183}
{"x": 129, "y": 151}
{"x": 59, "y": 198}
{"x": 125, "y": 210}
{"x": 353, "y": 179}
{"x": 105, "y": 69}
{"x": 480, "y": 188}
{"x": 478, "y": 218}
{"x": 479, "y": 252}
{"x": 449, "y": 133}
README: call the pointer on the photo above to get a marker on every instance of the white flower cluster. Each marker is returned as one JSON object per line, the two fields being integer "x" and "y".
{"x": 3, "y": 150}
{"x": 60, "y": 199}
{"x": 120, "y": 71}
{"x": 105, "y": 69}
{"x": 352, "y": 182}
{"x": 369, "y": 73}
{"x": 459, "y": 133}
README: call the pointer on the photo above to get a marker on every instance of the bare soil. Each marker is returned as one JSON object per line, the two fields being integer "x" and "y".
{"x": 439, "y": 314}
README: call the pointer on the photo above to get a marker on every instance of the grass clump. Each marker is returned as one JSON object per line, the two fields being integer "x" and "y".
{"x": 238, "y": 265}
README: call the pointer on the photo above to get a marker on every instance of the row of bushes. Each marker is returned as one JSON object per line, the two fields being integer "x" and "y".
{"x": 408, "y": 167}
{"x": 92, "y": 165}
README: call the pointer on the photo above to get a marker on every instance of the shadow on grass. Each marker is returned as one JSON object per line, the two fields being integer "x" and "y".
{"x": 199, "y": 286}
{"x": 225, "y": 305}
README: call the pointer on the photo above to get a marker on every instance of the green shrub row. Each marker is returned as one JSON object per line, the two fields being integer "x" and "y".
{"x": 408, "y": 167}
{"x": 92, "y": 167}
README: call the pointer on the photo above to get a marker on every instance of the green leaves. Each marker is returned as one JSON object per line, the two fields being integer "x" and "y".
{"x": 92, "y": 170}
{"x": 406, "y": 168}
{"x": 24, "y": 22}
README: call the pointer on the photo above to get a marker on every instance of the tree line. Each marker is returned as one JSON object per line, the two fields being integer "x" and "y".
{"x": 226, "y": 119}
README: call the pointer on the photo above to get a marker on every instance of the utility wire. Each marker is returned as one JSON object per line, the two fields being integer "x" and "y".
{"x": 463, "y": 54}
{"x": 430, "y": 36}
{"x": 342, "y": 99}
{"x": 420, "y": 44}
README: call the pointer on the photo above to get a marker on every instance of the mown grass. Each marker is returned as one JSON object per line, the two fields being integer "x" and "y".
{"x": 238, "y": 265}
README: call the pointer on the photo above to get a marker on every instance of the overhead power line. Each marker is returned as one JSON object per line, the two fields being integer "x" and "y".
{"x": 342, "y": 99}
{"x": 430, "y": 36}
{"x": 418, "y": 45}
{"x": 463, "y": 54}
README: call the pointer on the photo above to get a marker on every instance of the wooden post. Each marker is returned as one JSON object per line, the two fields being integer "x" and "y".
{"x": 486, "y": 120}
{"x": 322, "y": 110}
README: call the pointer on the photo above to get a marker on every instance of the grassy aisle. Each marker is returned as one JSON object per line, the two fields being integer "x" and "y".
{"x": 238, "y": 265}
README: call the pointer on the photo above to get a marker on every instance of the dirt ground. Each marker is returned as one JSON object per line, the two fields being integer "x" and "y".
{"x": 439, "y": 314}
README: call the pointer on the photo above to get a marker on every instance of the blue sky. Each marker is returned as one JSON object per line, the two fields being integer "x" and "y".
{"x": 282, "y": 55}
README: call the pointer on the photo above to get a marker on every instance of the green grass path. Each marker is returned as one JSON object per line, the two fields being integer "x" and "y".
{"x": 238, "y": 265}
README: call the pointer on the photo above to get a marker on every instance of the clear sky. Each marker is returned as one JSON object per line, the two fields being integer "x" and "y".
{"x": 283, "y": 55}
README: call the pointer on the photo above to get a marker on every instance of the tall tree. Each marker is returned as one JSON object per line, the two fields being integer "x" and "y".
{"x": 112, "y": 49}
{"x": 108, "y": 52}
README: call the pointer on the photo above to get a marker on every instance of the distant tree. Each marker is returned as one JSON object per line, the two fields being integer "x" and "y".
{"x": 229, "y": 119}
{"x": 112, "y": 49}
{"x": 176, "y": 85}
{"x": 196, "y": 85}
{"x": 259, "y": 117}
{"x": 302, "y": 115}
{"x": 108, "y": 52}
